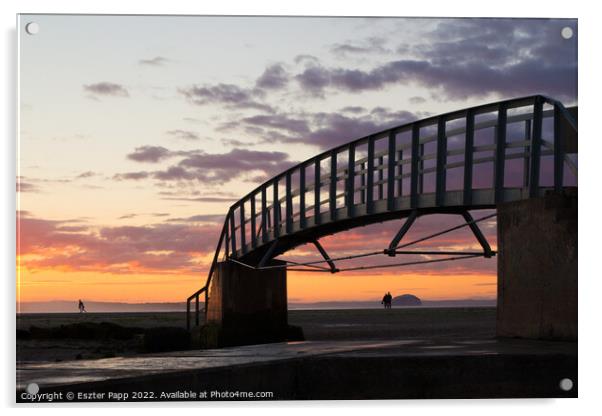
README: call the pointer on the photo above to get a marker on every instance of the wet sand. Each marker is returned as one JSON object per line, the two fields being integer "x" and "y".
{"x": 318, "y": 325}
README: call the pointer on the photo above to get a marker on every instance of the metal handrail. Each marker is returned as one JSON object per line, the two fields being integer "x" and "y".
{"x": 205, "y": 289}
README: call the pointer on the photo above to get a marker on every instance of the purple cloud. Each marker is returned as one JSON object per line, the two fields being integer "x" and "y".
{"x": 324, "y": 130}
{"x": 274, "y": 77}
{"x": 135, "y": 176}
{"x": 152, "y": 154}
{"x": 465, "y": 58}
{"x": 183, "y": 134}
{"x": 230, "y": 95}
{"x": 107, "y": 88}
{"x": 210, "y": 168}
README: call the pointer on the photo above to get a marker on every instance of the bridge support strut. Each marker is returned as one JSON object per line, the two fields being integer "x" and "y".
{"x": 402, "y": 231}
{"x": 487, "y": 252}
{"x": 268, "y": 254}
{"x": 324, "y": 254}
{"x": 392, "y": 250}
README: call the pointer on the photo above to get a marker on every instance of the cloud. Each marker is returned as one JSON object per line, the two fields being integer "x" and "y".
{"x": 323, "y": 129}
{"x": 304, "y": 58}
{"x": 224, "y": 167}
{"x": 314, "y": 79}
{"x": 274, "y": 77}
{"x": 156, "y": 61}
{"x": 368, "y": 46}
{"x": 107, "y": 89}
{"x": 181, "y": 245}
{"x": 208, "y": 168}
{"x": 463, "y": 58}
{"x": 23, "y": 186}
{"x": 236, "y": 143}
{"x": 217, "y": 199}
{"x": 151, "y": 154}
{"x": 127, "y": 216}
{"x": 417, "y": 100}
{"x": 183, "y": 134}
{"x": 84, "y": 175}
{"x": 207, "y": 218}
{"x": 136, "y": 176}
{"x": 278, "y": 121}
{"x": 158, "y": 248}
{"x": 229, "y": 95}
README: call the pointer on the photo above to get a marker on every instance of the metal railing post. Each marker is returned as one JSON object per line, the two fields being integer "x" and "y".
{"x": 440, "y": 174}
{"x": 559, "y": 149}
{"x": 253, "y": 223}
{"x": 370, "y": 177}
{"x": 500, "y": 153}
{"x": 289, "y": 204}
{"x": 468, "y": 157}
{"x": 415, "y": 166}
{"x": 302, "y": 221}
{"x": 391, "y": 172}
{"x": 332, "y": 198}
{"x": 535, "y": 148}
{"x": 317, "y": 190}
{"x": 350, "y": 183}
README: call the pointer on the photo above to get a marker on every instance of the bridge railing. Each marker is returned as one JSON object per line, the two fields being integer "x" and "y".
{"x": 478, "y": 157}
{"x": 426, "y": 157}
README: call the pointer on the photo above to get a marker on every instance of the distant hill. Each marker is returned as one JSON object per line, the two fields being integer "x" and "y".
{"x": 406, "y": 300}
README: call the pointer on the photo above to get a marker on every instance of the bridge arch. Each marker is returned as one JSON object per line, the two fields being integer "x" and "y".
{"x": 450, "y": 163}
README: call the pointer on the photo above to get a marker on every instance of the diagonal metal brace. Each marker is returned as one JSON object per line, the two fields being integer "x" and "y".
{"x": 487, "y": 252}
{"x": 402, "y": 231}
{"x": 324, "y": 254}
{"x": 268, "y": 254}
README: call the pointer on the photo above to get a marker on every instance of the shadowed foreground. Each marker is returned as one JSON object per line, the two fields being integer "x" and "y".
{"x": 349, "y": 354}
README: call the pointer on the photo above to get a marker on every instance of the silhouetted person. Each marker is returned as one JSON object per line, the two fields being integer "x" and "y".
{"x": 387, "y": 300}
{"x": 81, "y": 306}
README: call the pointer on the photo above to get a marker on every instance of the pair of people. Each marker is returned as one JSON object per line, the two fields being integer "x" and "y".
{"x": 387, "y": 300}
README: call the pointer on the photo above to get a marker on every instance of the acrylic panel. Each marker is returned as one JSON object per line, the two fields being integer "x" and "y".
{"x": 292, "y": 208}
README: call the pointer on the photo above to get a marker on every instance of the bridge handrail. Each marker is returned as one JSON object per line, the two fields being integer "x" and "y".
{"x": 450, "y": 116}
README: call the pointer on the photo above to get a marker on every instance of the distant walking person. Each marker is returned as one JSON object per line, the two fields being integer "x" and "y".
{"x": 81, "y": 306}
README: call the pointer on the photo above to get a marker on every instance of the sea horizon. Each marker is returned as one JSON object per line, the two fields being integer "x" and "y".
{"x": 63, "y": 306}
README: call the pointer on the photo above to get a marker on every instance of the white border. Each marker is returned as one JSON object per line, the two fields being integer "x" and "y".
{"x": 589, "y": 216}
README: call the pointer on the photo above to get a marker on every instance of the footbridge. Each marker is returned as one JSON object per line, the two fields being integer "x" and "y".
{"x": 482, "y": 157}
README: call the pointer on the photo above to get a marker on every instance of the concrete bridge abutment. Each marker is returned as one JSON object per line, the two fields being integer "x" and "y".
{"x": 246, "y": 306}
{"x": 537, "y": 267}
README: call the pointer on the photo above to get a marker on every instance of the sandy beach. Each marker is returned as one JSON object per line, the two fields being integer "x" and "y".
{"x": 342, "y": 324}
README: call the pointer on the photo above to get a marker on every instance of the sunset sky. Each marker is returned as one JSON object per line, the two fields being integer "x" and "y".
{"x": 138, "y": 133}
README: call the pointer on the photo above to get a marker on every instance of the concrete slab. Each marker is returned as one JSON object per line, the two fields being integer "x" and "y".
{"x": 444, "y": 368}
{"x": 85, "y": 371}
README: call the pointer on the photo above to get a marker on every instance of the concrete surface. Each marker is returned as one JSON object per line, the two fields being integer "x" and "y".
{"x": 459, "y": 368}
{"x": 537, "y": 267}
{"x": 246, "y": 306}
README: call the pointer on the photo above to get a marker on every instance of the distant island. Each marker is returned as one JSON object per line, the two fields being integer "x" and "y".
{"x": 406, "y": 300}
